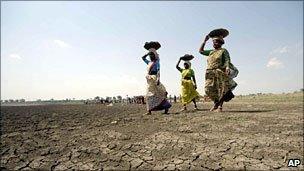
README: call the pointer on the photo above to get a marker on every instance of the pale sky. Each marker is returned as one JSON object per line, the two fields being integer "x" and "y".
{"x": 85, "y": 49}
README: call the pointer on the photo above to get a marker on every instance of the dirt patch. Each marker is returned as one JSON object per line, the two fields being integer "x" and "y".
{"x": 259, "y": 133}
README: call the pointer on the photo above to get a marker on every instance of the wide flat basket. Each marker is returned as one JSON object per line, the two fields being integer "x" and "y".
{"x": 221, "y": 32}
{"x": 152, "y": 44}
{"x": 187, "y": 57}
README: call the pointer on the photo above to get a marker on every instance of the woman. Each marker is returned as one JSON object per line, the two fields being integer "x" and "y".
{"x": 156, "y": 93}
{"x": 189, "y": 93}
{"x": 219, "y": 83}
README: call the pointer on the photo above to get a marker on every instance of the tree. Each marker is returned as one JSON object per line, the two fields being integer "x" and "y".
{"x": 114, "y": 99}
{"x": 119, "y": 98}
{"x": 108, "y": 99}
{"x": 97, "y": 98}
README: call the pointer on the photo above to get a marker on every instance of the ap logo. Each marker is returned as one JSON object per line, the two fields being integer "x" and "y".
{"x": 294, "y": 162}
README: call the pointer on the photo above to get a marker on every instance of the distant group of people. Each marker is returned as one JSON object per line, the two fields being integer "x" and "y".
{"x": 219, "y": 82}
{"x": 174, "y": 98}
{"x": 135, "y": 99}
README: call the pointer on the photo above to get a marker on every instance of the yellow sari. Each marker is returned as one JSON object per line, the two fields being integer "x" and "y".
{"x": 188, "y": 90}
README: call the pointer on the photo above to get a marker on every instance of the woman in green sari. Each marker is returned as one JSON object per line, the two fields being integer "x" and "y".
{"x": 218, "y": 79}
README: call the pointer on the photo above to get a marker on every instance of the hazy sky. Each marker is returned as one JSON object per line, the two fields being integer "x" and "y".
{"x": 83, "y": 49}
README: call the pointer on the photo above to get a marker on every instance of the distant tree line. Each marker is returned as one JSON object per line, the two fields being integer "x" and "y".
{"x": 13, "y": 101}
{"x": 118, "y": 99}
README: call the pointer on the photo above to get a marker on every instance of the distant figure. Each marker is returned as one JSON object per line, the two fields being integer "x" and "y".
{"x": 139, "y": 99}
{"x": 188, "y": 84}
{"x": 142, "y": 100}
{"x": 174, "y": 98}
{"x": 219, "y": 83}
{"x": 156, "y": 92}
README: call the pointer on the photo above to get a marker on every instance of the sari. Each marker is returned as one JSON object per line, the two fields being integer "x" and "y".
{"x": 156, "y": 94}
{"x": 218, "y": 83}
{"x": 188, "y": 91}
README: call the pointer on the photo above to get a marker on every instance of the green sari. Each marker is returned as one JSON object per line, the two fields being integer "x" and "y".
{"x": 217, "y": 82}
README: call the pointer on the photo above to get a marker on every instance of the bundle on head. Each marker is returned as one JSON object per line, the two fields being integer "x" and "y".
{"x": 187, "y": 57}
{"x": 152, "y": 44}
{"x": 221, "y": 32}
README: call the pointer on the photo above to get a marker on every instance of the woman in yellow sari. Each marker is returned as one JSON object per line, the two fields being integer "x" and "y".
{"x": 188, "y": 84}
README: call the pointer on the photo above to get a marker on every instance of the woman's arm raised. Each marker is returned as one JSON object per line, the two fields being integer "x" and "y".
{"x": 201, "y": 49}
{"x": 144, "y": 58}
{"x": 177, "y": 65}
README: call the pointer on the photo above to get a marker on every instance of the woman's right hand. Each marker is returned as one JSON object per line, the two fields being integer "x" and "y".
{"x": 206, "y": 38}
{"x": 145, "y": 55}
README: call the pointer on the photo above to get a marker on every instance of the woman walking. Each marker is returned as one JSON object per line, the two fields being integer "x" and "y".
{"x": 156, "y": 95}
{"x": 188, "y": 84}
{"x": 218, "y": 79}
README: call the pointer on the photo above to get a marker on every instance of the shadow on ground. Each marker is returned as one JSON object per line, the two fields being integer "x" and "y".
{"x": 248, "y": 111}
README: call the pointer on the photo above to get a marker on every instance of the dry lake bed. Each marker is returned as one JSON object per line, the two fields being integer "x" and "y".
{"x": 253, "y": 133}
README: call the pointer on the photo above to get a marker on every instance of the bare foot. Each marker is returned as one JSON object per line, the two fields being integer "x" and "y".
{"x": 220, "y": 109}
{"x": 166, "y": 111}
{"x": 213, "y": 108}
{"x": 148, "y": 113}
{"x": 184, "y": 109}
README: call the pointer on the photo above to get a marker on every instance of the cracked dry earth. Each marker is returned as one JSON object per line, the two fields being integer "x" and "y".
{"x": 259, "y": 133}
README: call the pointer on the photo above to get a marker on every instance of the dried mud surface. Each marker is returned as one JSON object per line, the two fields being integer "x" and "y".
{"x": 251, "y": 133}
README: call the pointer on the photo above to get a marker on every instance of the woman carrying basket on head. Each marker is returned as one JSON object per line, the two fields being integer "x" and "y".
{"x": 188, "y": 83}
{"x": 220, "y": 71}
{"x": 156, "y": 95}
